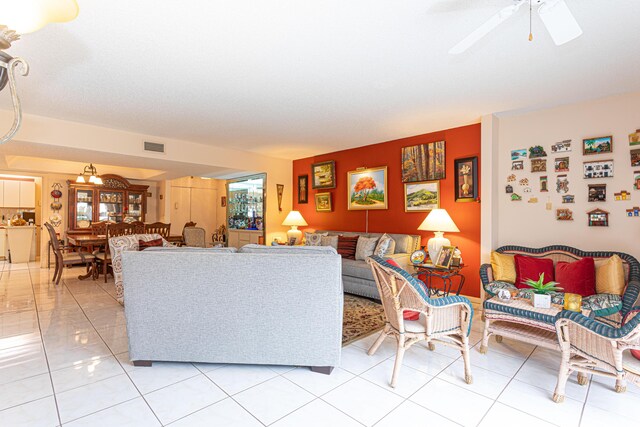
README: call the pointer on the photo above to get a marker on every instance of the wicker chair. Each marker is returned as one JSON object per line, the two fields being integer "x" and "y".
{"x": 590, "y": 346}
{"x": 68, "y": 258}
{"x": 194, "y": 237}
{"x": 443, "y": 320}
{"x": 158, "y": 228}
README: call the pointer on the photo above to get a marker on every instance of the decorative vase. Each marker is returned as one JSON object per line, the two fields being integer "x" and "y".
{"x": 541, "y": 300}
{"x": 466, "y": 186}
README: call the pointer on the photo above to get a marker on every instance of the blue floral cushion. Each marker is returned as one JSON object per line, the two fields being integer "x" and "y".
{"x": 493, "y": 287}
{"x": 598, "y": 304}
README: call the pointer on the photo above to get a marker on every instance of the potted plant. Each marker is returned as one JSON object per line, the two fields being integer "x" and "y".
{"x": 541, "y": 290}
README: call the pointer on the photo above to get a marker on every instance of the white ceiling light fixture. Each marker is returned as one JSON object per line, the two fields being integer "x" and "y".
{"x": 19, "y": 17}
{"x": 555, "y": 15}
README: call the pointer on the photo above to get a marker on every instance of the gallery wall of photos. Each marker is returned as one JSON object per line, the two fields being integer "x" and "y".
{"x": 540, "y": 171}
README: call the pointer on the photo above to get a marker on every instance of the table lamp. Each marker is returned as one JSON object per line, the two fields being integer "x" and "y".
{"x": 438, "y": 221}
{"x": 294, "y": 219}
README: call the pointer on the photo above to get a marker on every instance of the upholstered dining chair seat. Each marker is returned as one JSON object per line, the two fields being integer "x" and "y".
{"x": 77, "y": 256}
{"x": 102, "y": 256}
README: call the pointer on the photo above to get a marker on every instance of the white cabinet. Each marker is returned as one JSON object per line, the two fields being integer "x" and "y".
{"x": 194, "y": 204}
{"x": 239, "y": 238}
{"x": 11, "y": 194}
{"x": 27, "y": 194}
{"x": 17, "y": 194}
{"x": 3, "y": 244}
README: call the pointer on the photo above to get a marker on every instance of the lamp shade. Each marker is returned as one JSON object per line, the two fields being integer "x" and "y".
{"x": 27, "y": 16}
{"x": 438, "y": 220}
{"x": 294, "y": 218}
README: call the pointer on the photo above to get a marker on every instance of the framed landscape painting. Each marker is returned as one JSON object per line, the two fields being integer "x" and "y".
{"x": 603, "y": 144}
{"x": 424, "y": 162}
{"x": 367, "y": 189}
{"x": 323, "y": 202}
{"x": 323, "y": 175}
{"x": 421, "y": 196}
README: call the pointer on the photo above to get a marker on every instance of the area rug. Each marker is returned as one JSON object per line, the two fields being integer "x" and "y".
{"x": 362, "y": 317}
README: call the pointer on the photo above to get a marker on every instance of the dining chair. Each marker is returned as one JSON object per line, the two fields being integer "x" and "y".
{"x": 63, "y": 257}
{"x": 445, "y": 320}
{"x": 158, "y": 228}
{"x": 115, "y": 230}
{"x": 138, "y": 227}
{"x": 194, "y": 237}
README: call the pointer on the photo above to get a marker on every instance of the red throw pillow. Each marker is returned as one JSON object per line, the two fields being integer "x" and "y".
{"x": 578, "y": 277}
{"x": 528, "y": 267}
{"x": 630, "y": 315}
{"x": 407, "y": 314}
{"x": 347, "y": 246}
{"x": 142, "y": 245}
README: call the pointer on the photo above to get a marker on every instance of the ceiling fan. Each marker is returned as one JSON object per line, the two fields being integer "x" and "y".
{"x": 555, "y": 16}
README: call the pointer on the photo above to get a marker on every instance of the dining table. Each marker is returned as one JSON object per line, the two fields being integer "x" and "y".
{"x": 97, "y": 240}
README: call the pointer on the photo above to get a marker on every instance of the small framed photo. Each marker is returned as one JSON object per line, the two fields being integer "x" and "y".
{"x": 323, "y": 202}
{"x": 303, "y": 188}
{"x": 421, "y": 196}
{"x": 598, "y": 192}
{"x": 466, "y": 179}
{"x": 443, "y": 260}
{"x": 517, "y": 165}
{"x": 519, "y": 154}
{"x": 538, "y": 165}
{"x": 600, "y": 145}
{"x": 598, "y": 169}
{"x": 323, "y": 175}
{"x": 561, "y": 164}
{"x": 292, "y": 241}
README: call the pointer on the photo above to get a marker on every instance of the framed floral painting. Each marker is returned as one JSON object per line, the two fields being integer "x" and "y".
{"x": 466, "y": 181}
{"x": 367, "y": 189}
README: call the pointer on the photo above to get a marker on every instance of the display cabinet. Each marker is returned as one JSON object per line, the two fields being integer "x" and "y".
{"x": 115, "y": 200}
{"x": 246, "y": 209}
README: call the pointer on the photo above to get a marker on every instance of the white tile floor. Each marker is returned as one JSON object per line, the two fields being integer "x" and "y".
{"x": 64, "y": 361}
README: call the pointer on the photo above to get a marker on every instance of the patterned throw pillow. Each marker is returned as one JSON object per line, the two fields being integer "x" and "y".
{"x": 313, "y": 239}
{"x": 142, "y": 245}
{"x": 330, "y": 241}
{"x": 386, "y": 246}
{"x": 365, "y": 247}
{"x": 347, "y": 246}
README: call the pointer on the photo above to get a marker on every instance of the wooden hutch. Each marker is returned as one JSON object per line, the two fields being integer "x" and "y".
{"x": 115, "y": 200}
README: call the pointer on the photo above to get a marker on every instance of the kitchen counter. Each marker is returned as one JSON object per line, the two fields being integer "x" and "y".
{"x": 20, "y": 240}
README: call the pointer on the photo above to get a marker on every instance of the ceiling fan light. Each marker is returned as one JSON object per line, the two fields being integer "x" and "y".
{"x": 559, "y": 21}
{"x": 27, "y": 16}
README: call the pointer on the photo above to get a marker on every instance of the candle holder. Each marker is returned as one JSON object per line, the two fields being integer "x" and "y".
{"x": 573, "y": 302}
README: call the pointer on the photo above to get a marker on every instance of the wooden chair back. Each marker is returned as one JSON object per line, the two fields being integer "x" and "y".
{"x": 120, "y": 229}
{"x": 100, "y": 228}
{"x": 138, "y": 227}
{"x": 55, "y": 243}
{"x": 158, "y": 228}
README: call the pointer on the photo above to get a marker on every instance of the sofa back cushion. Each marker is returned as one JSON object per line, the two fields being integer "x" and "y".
{"x": 347, "y": 246}
{"x": 503, "y": 267}
{"x": 578, "y": 277}
{"x": 404, "y": 243}
{"x": 530, "y": 268}
{"x": 282, "y": 249}
{"x": 610, "y": 276}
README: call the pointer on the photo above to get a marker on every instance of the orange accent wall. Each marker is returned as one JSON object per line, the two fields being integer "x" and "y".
{"x": 460, "y": 142}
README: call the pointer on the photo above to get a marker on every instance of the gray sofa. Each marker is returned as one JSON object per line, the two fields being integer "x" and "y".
{"x": 357, "y": 277}
{"x": 262, "y": 305}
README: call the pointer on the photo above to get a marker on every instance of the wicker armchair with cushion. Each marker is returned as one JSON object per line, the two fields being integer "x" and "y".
{"x": 443, "y": 320}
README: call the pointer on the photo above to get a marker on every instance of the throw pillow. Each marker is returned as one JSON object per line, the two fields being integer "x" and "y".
{"x": 347, "y": 246}
{"x": 313, "y": 239}
{"x": 329, "y": 241}
{"x": 142, "y": 245}
{"x": 365, "y": 247}
{"x": 578, "y": 277}
{"x": 528, "y": 267}
{"x": 503, "y": 267}
{"x": 386, "y": 246}
{"x": 610, "y": 276}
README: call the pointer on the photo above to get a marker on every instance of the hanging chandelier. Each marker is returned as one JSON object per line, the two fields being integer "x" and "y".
{"x": 18, "y": 17}
{"x": 89, "y": 174}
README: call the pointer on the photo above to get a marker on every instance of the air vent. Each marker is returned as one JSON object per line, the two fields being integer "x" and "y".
{"x": 153, "y": 146}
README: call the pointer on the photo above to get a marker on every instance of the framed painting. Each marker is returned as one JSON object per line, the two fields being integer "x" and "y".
{"x": 367, "y": 189}
{"x": 303, "y": 188}
{"x": 600, "y": 145}
{"x": 323, "y": 175}
{"x": 424, "y": 162}
{"x": 421, "y": 196}
{"x": 323, "y": 202}
{"x": 466, "y": 181}
{"x": 598, "y": 169}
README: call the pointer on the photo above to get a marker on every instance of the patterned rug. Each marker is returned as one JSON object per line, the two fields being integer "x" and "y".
{"x": 362, "y": 317}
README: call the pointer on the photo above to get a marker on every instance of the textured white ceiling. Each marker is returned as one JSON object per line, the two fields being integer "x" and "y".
{"x": 292, "y": 78}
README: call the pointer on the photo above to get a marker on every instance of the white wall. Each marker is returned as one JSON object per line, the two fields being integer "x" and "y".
{"x": 528, "y": 224}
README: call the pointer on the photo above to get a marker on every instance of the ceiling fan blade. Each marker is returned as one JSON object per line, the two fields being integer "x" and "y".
{"x": 485, "y": 28}
{"x": 559, "y": 21}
